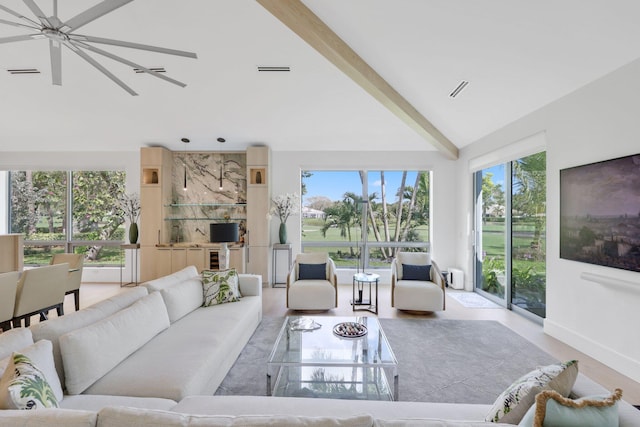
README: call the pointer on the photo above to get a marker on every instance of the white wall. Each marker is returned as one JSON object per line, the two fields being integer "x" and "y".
{"x": 597, "y": 122}
{"x": 129, "y": 161}
{"x": 285, "y": 178}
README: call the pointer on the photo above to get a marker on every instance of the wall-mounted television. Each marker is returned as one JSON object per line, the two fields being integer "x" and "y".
{"x": 600, "y": 213}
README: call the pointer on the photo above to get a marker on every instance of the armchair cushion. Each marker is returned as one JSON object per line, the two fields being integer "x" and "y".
{"x": 416, "y": 272}
{"x": 312, "y": 271}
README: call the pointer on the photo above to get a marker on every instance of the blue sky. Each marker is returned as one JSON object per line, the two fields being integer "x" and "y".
{"x": 333, "y": 184}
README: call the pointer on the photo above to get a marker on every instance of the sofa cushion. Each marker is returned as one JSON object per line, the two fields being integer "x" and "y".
{"x": 24, "y": 386}
{"x": 551, "y": 408}
{"x": 416, "y": 272}
{"x": 220, "y": 287}
{"x": 200, "y": 368}
{"x": 53, "y": 328}
{"x": 131, "y": 417}
{"x": 14, "y": 340}
{"x": 94, "y": 350}
{"x": 170, "y": 280}
{"x": 516, "y": 400}
{"x": 48, "y": 418}
{"x": 95, "y": 402}
{"x": 41, "y": 354}
{"x": 182, "y": 298}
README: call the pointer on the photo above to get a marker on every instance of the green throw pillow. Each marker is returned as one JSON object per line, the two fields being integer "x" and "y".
{"x": 24, "y": 386}
{"x": 515, "y": 401}
{"x": 220, "y": 287}
{"x": 552, "y": 409}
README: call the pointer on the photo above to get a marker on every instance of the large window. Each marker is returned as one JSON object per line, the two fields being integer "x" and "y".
{"x": 511, "y": 230}
{"x": 393, "y": 204}
{"x": 64, "y": 211}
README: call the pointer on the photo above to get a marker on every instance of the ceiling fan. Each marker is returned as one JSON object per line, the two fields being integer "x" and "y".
{"x": 61, "y": 33}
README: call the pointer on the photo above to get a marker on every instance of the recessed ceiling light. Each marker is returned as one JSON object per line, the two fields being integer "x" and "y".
{"x": 221, "y": 140}
{"x": 459, "y": 89}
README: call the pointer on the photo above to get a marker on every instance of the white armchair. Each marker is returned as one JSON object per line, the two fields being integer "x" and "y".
{"x": 312, "y": 283}
{"x": 416, "y": 283}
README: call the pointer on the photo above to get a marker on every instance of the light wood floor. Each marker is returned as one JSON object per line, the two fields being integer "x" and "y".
{"x": 274, "y": 305}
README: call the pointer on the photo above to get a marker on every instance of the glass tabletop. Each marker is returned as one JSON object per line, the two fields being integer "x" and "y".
{"x": 321, "y": 346}
{"x": 309, "y": 359}
{"x": 366, "y": 277}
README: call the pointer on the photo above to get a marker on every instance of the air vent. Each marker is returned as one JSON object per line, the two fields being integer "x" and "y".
{"x": 459, "y": 89}
{"x": 274, "y": 69}
{"x": 156, "y": 69}
{"x": 24, "y": 71}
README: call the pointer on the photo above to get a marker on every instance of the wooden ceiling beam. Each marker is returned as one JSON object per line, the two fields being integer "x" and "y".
{"x": 302, "y": 21}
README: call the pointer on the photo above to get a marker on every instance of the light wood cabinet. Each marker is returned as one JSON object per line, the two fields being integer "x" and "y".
{"x": 155, "y": 193}
{"x": 258, "y": 204}
{"x": 197, "y": 257}
{"x": 163, "y": 262}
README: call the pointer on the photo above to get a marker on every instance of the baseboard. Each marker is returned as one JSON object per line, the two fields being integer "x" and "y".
{"x": 615, "y": 360}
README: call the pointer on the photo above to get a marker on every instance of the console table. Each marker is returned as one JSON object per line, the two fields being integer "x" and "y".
{"x": 133, "y": 248}
{"x": 277, "y": 247}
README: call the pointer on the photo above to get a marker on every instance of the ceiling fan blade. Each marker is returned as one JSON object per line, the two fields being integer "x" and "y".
{"x": 17, "y": 24}
{"x": 18, "y": 15}
{"x": 132, "y": 45}
{"x": 12, "y": 39}
{"x": 100, "y": 68}
{"x": 55, "y": 49}
{"x": 94, "y": 12}
{"x": 38, "y": 12}
{"x": 129, "y": 63}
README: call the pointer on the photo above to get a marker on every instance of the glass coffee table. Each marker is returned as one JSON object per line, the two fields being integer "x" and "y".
{"x": 309, "y": 359}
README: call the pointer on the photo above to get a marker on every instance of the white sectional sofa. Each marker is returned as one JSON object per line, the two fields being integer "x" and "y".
{"x": 153, "y": 356}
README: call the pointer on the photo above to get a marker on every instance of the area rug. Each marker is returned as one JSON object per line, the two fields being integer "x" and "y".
{"x": 472, "y": 300}
{"x": 459, "y": 361}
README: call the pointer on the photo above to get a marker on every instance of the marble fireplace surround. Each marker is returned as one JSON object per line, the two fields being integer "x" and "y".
{"x": 203, "y": 202}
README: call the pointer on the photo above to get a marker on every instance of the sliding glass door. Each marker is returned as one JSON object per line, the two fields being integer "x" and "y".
{"x": 510, "y": 224}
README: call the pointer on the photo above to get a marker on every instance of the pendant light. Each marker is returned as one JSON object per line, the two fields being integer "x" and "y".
{"x": 221, "y": 141}
{"x": 184, "y": 162}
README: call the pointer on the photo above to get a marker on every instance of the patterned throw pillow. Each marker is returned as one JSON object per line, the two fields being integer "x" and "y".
{"x": 515, "y": 401}
{"x": 24, "y": 386}
{"x": 220, "y": 287}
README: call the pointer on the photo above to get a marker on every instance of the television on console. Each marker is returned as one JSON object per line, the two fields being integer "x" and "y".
{"x": 600, "y": 213}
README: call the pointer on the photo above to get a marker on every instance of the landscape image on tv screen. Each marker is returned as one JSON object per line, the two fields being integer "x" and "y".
{"x": 600, "y": 213}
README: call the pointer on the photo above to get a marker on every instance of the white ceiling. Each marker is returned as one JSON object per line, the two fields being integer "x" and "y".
{"x": 518, "y": 56}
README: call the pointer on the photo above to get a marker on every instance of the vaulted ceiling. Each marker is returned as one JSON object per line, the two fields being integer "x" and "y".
{"x": 516, "y": 55}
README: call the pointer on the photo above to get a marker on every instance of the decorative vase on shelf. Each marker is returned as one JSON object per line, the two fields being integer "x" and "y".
{"x": 133, "y": 233}
{"x": 282, "y": 233}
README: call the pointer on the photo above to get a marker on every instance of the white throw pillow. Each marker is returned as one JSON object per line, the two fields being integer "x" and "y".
{"x": 41, "y": 354}
{"x": 182, "y": 298}
{"x": 14, "y": 340}
{"x": 24, "y": 386}
{"x": 91, "y": 352}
